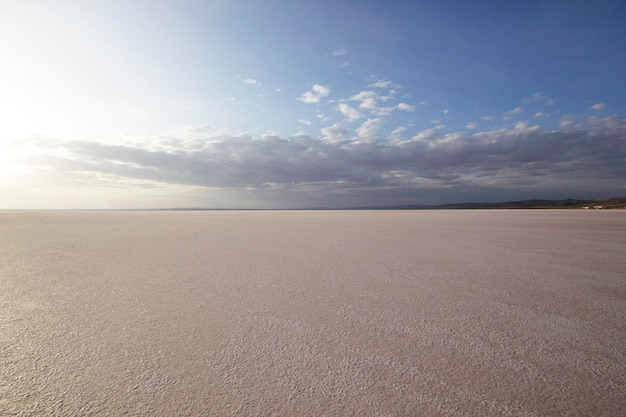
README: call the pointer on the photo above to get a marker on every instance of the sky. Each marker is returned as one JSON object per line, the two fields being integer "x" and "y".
{"x": 292, "y": 104}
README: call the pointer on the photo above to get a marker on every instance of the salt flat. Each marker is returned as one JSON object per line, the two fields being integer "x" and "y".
{"x": 313, "y": 313}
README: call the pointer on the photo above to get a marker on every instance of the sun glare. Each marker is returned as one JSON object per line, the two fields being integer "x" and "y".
{"x": 10, "y": 167}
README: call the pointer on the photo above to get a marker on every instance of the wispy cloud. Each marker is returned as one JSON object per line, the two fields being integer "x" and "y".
{"x": 334, "y": 133}
{"x": 368, "y": 101}
{"x": 538, "y": 98}
{"x": 509, "y": 115}
{"x": 598, "y": 106}
{"x": 340, "y": 51}
{"x": 380, "y": 84}
{"x": 396, "y": 135}
{"x": 322, "y": 117}
{"x": 315, "y": 94}
{"x": 251, "y": 81}
{"x": 376, "y": 82}
{"x": 350, "y": 113}
{"x": 368, "y": 131}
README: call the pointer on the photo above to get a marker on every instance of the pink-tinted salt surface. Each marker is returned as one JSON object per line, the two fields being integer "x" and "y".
{"x": 413, "y": 313}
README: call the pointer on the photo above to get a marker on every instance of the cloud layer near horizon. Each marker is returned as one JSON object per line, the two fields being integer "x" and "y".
{"x": 524, "y": 160}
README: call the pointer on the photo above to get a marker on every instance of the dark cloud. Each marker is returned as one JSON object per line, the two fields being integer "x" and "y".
{"x": 521, "y": 162}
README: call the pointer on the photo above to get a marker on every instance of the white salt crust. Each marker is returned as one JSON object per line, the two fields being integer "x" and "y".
{"x": 313, "y": 313}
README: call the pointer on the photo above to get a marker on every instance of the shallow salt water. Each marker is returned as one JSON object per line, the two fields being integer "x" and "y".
{"x": 313, "y": 313}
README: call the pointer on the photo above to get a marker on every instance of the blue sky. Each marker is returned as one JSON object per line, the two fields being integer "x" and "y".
{"x": 111, "y": 104}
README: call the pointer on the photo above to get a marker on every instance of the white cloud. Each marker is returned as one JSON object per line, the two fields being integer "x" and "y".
{"x": 368, "y": 131}
{"x": 426, "y": 135}
{"x": 380, "y": 84}
{"x": 318, "y": 91}
{"x": 340, "y": 51}
{"x": 375, "y": 82}
{"x": 598, "y": 106}
{"x": 446, "y": 111}
{"x": 369, "y": 101}
{"x": 334, "y": 133}
{"x": 395, "y": 135}
{"x": 471, "y": 125}
{"x": 305, "y": 122}
{"x": 273, "y": 133}
{"x": 406, "y": 107}
{"x": 350, "y": 113}
{"x": 251, "y": 81}
{"x": 309, "y": 97}
{"x": 525, "y": 127}
{"x": 540, "y": 114}
{"x": 321, "y": 90}
{"x": 362, "y": 95}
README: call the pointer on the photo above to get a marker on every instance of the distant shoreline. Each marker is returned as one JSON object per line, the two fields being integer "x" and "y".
{"x": 533, "y": 204}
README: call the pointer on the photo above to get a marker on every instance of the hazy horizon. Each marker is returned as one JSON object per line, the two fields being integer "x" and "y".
{"x": 243, "y": 104}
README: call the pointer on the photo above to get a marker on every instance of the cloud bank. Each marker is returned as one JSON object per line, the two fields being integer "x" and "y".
{"x": 338, "y": 170}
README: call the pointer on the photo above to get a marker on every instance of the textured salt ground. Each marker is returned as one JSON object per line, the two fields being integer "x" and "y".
{"x": 434, "y": 313}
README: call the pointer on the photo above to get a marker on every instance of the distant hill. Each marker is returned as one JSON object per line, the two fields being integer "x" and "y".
{"x": 609, "y": 203}
{"x": 605, "y": 203}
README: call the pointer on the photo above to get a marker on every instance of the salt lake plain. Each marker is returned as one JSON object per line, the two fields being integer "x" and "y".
{"x": 313, "y": 313}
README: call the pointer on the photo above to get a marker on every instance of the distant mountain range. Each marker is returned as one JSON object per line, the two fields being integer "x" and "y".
{"x": 604, "y": 203}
